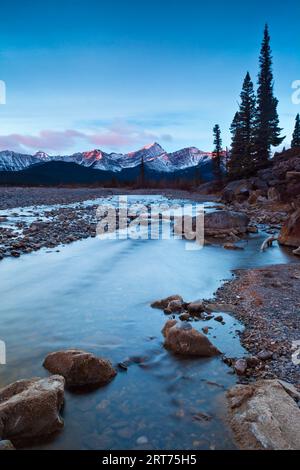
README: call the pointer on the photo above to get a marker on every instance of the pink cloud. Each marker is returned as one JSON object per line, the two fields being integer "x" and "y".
{"x": 118, "y": 135}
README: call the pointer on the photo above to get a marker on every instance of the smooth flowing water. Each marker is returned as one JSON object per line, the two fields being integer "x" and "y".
{"x": 95, "y": 295}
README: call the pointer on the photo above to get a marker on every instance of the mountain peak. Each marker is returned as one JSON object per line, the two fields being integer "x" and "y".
{"x": 149, "y": 146}
{"x": 41, "y": 155}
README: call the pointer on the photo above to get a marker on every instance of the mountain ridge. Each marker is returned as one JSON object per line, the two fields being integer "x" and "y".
{"x": 154, "y": 156}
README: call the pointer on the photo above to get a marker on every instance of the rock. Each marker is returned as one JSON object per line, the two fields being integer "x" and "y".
{"x": 29, "y": 409}
{"x": 175, "y": 306}
{"x": 253, "y": 197}
{"x": 252, "y": 361}
{"x": 273, "y": 195}
{"x": 6, "y": 445}
{"x": 290, "y": 389}
{"x": 142, "y": 440}
{"x": 236, "y": 190}
{"x": 232, "y": 246}
{"x": 184, "y": 316}
{"x": 80, "y": 368}
{"x": 195, "y": 308}
{"x": 184, "y": 340}
{"x": 163, "y": 303}
{"x": 167, "y": 327}
{"x": 3, "y": 219}
{"x": 240, "y": 366}
{"x": 290, "y": 232}
{"x": 252, "y": 229}
{"x": 205, "y": 330}
{"x": 219, "y": 222}
{"x": 265, "y": 355}
{"x": 219, "y": 318}
{"x": 264, "y": 416}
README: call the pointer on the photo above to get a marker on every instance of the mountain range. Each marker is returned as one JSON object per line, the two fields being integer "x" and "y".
{"x": 154, "y": 156}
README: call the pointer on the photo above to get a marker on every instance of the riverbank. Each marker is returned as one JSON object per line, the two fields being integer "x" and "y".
{"x": 267, "y": 301}
{"x": 35, "y": 218}
{"x": 11, "y": 197}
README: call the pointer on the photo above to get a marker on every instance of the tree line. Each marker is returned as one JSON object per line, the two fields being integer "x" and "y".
{"x": 255, "y": 126}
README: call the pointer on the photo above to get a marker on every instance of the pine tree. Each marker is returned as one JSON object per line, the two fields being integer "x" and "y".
{"x": 296, "y": 133}
{"x": 217, "y": 153}
{"x": 142, "y": 174}
{"x": 268, "y": 130}
{"x": 243, "y": 132}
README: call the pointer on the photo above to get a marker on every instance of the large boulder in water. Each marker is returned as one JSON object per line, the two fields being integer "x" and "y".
{"x": 80, "y": 368}
{"x": 182, "y": 339}
{"x": 29, "y": 409}
{"x": 290, "y": 232}
{"x": 225, "y": 222}
{"x": 264, "y": 416}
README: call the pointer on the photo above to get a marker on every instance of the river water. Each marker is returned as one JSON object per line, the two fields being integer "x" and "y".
{"x": 95, "y": 295}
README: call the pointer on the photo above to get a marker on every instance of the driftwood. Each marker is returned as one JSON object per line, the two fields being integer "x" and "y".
{"x": 297, "y": 251}
{"x": 268, "y": 243}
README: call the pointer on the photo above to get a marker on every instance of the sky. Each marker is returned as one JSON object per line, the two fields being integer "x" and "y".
{"x": 119, "y": 75}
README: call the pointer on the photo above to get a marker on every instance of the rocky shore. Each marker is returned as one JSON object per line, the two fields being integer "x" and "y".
{"x": 34, "y": 227}
{"x": 267, "y": 302}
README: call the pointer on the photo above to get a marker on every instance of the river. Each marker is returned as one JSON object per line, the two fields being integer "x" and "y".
{"x": 95, "y": 295}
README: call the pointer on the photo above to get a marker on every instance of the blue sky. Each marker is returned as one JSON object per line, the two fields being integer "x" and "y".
{"x": 119, "y": 75}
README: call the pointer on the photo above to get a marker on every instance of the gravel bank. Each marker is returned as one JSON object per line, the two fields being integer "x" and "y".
{"x": 267, "y": 301}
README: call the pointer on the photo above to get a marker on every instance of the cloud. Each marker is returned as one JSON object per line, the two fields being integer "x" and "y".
{"x": 116, "y": 136}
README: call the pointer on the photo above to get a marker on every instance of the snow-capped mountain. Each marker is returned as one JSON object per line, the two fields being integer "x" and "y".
{"x": 12, "y": 161}
{"x": 153, "y": 155}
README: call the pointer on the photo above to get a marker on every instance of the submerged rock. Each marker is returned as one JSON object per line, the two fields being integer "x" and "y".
{"x": 264, "y": 416}
{"x": 80, "y": 368}
{"x": 29, "y": 409}
{"x": 184, "y": 340}
{"x": 232, "y": 246}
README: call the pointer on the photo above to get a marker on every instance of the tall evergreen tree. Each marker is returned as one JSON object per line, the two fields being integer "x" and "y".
{"x": 217, "y": 152}
{"x": 268, "y": 130}
{"x": 243, "y": 132}
{"x": 296, "y": 133}
{"x": 142, "y": 174}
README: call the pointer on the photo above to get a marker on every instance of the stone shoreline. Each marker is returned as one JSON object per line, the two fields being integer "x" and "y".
{"x": 267, "y": 301}
{"x": 58, "y": 225}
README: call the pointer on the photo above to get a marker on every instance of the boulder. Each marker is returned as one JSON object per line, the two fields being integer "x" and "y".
{"x": 225, "y": 222}
{"x": 164, "y": 303}
{"x": 184, "y": 340}
{"x": 290, "y": 232}
{"x": 240, "y": 366}
{"x": 29, "y": 409}
{"x": 236, "y": 190}
{"x": 6, "y": 445}
{"x": 167, "y": 327}
{"x": 264, "y": 416}
{"x": 264, "y": 355}
{"x": 175, "y": 306}
{"x": 195, "y": 308}
{"x": 79, "y": 368}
